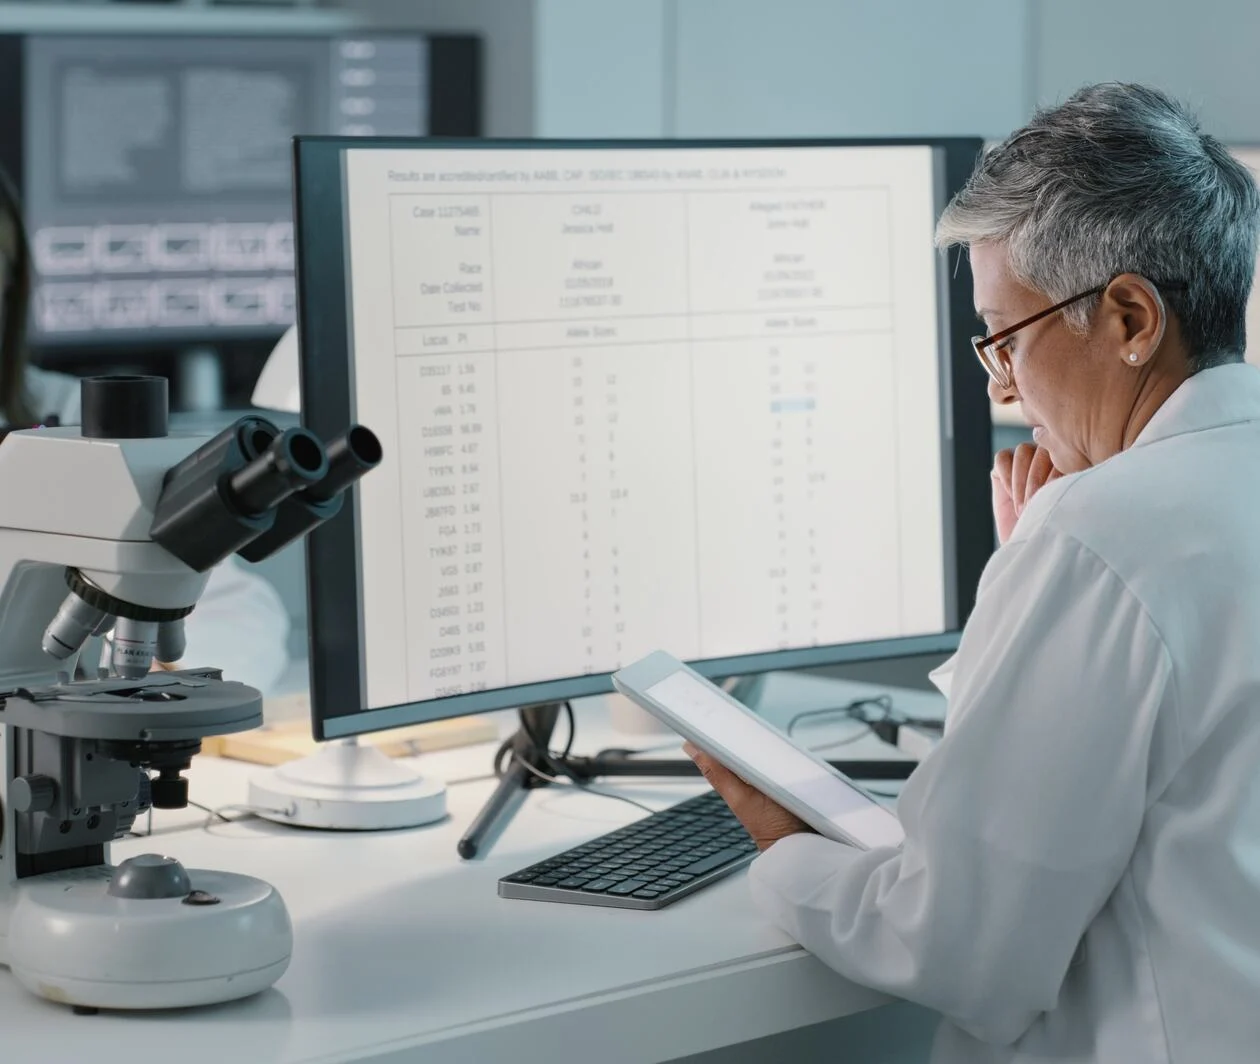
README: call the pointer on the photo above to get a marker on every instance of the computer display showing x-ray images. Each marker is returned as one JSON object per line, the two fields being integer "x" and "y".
{"x": 156, "y": 170}
{"x": 631, "y": 396}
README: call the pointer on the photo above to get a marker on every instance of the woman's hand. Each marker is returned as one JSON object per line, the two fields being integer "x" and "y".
{"x": 1018, "y": 474}
{"x": 765, "y": 820}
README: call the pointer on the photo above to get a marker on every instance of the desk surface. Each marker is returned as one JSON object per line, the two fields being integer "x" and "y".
{"x": 400, "y": 945}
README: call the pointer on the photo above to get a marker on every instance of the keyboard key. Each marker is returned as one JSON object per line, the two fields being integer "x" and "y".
{"x": 628, "y": 887}
{"x": 572, "y": 881}
{"x": 717, "y": 860}
{"x": 598, "y": 886}
{"x": 648, "y": 893}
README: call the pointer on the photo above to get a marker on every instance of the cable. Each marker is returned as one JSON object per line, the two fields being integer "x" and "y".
{"x": 250, "y": 812}
{"x": 568, "y": 746}
{"x": 848, "y": 740}
{"x": 555, "y": 762}
{"x": 571, "y": 782}
{"x": 852, "y": 710}
{"x": 206, "y": 809}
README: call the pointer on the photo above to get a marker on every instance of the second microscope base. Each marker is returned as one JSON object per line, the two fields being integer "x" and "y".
{"x": 73, "y": 943}
{"x": 347, "y": 787}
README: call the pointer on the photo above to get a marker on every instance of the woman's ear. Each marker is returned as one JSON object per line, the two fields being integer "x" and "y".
{"x": 1137, "y": 319}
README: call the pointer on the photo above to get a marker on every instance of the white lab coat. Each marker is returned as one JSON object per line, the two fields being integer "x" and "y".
{"x": 1080, "y": 879}
{"x": 240, "y": 624}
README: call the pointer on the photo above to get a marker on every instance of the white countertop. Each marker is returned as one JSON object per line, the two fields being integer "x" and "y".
{"x": 400, "y": 945}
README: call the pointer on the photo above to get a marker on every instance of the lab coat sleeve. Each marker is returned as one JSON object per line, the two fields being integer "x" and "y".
{"x": 241, "y": 626}
{"x": 942, "y": 676}
{"x": 1019, "y": 824}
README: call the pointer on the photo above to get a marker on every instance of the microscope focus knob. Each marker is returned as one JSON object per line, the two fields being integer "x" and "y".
{"x": 33, "y": 794}
{"x": 150, "y": 876}
{"x": 169, "y": 790}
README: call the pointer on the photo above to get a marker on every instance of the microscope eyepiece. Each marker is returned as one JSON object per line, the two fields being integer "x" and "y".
{"x": 225, "y": 494}
{"x": 292, "y": 461}
{"x": 254, "y": 489}
{"x": 352, "y": 454}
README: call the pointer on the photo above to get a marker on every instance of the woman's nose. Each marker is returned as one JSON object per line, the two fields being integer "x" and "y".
{"x": 1002, "y": 396}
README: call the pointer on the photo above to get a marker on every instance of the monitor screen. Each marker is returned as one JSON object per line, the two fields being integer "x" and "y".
{"x": 156, "y": 170}
{"x": 696, "y": 398}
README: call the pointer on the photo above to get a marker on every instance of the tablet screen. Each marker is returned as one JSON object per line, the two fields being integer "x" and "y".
{"x": 778, "y": 759}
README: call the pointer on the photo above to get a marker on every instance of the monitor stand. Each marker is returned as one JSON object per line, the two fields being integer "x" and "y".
{"x": 347, "y": 786}
{"x": 531, "y": 764}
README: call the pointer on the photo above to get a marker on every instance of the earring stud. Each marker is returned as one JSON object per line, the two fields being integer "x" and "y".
{"x": 1132, "y": 356}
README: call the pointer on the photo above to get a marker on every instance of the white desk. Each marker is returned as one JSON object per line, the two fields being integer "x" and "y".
{"x": 405, "y": 953}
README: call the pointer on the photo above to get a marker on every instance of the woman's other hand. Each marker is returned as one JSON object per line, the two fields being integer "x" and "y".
{"x": 764, "y": 819}
{"x": 1018, "y": 474}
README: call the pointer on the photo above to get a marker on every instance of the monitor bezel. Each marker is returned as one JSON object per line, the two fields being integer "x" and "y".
{"x": 334, "y": 606}
{"x": 456, "y": 96}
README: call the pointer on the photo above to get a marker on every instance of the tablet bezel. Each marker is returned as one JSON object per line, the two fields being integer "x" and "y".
{"x": 636, "y": 680}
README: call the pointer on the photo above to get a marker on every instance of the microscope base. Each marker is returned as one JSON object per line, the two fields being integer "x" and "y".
{"x": 72, "y": 942}
{"x": 347, "y": 787}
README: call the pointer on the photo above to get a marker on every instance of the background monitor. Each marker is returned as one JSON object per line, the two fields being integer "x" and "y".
{"x": 711, "y": 398}
{"x": 156, "y": 170}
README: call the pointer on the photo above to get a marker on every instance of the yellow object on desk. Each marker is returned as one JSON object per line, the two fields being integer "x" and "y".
{"x": 290, "y": 739}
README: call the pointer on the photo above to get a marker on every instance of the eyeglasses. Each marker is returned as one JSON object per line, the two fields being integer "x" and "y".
{"x": 991, "y": 350}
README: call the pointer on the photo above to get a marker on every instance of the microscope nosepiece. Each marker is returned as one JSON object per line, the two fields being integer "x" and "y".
{"x": 70, "y": 629}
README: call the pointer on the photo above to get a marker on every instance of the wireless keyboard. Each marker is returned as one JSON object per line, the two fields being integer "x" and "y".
{"x": 645, "y": 865}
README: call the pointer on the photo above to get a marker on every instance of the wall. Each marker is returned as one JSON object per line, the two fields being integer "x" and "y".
{"x": 1203, "y": 52}
{"x": 703, "y": 68}
{"x": 602, "y": 68}
{"x": 847, "y": 67}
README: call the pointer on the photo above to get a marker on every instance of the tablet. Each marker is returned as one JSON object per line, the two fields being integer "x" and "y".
{"x": 758, "y": 752}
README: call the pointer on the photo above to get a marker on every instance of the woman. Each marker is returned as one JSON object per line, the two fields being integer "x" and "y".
{"x": 240, "y": 624}
{"x": 1080, "y": 879}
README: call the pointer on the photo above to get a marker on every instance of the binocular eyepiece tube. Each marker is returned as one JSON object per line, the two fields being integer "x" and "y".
{"x": 292, "y": 461}
{"x": 352, "y": 454}
{"x": 253, "y": 489}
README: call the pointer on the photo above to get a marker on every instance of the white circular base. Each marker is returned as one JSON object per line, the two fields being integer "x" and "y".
{"x": 347, "y": 787}
{"x": 630, "y": 719}
{"x": 74, "y": 943}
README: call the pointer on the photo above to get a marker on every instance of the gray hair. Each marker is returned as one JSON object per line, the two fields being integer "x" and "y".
{"x": 1120, "y": 179}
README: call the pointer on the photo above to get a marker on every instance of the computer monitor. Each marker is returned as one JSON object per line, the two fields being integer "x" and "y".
{"x": 156, "y": 172}
{"x": 715, "y": 398}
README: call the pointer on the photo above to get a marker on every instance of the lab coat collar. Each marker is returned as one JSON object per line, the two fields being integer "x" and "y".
{"x": 1223, "y": 395}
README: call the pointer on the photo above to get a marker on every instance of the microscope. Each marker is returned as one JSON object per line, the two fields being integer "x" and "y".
{"x": 112, "y": 528}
